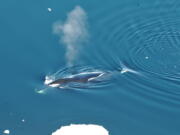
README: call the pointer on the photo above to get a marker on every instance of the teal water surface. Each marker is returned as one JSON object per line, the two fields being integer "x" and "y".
{"x": 144, "y": 35}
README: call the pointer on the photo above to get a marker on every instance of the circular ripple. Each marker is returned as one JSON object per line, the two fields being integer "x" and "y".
{"x": 146, "y": 36}
{"x": 149, "y": 40}
{"x": 159, "y": 54}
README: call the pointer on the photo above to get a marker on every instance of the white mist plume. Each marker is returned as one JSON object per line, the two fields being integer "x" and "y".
{"x": 73, "y": 32}
{"x": 81, "y": 129}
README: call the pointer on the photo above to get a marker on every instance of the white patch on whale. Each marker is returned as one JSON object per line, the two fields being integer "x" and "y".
{"x": 48, "y": 80}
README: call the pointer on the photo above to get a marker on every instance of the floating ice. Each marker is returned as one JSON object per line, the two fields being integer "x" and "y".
{"x": 49, "y": 9}
{"x": 6, "y": 131}
{"x": 81, "y": 129}
{"x": 23, "y": 120}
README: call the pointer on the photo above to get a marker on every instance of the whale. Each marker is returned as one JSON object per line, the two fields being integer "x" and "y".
{"x": 83, "y": 77}
{"x": 63, "y": 78}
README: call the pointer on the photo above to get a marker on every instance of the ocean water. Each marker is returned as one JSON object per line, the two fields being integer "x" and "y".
{"x": 136, "y": 42}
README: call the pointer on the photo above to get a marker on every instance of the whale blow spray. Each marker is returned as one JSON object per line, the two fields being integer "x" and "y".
{"x": 72, "y": 33}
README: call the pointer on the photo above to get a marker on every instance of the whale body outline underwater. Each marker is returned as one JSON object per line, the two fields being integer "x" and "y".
{"x": 84, "y": 77}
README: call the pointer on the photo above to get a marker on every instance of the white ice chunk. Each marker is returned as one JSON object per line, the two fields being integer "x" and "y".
{"x": 6, "y": 131}
{"x": 81, "y": 129}
{"x": 49, "y": 9}
{"x": 23, "y": 120}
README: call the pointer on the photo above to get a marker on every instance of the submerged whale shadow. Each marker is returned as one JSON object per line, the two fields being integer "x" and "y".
{"x": 83, "y": 76}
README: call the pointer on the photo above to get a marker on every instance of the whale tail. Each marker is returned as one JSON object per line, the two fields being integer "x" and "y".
{"x": 124, "y": 69}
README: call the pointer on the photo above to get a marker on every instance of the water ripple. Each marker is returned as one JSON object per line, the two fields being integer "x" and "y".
{"x": 148, "y": 42}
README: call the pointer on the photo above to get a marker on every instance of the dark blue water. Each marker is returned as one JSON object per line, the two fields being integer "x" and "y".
{"x": 144, "y": 35}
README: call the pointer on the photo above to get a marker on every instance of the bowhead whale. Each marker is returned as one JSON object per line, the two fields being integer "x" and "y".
{"x": 83, "y": 77}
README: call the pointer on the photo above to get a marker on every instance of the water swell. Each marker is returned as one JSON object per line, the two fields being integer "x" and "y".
{"x": 148, "y": 42}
